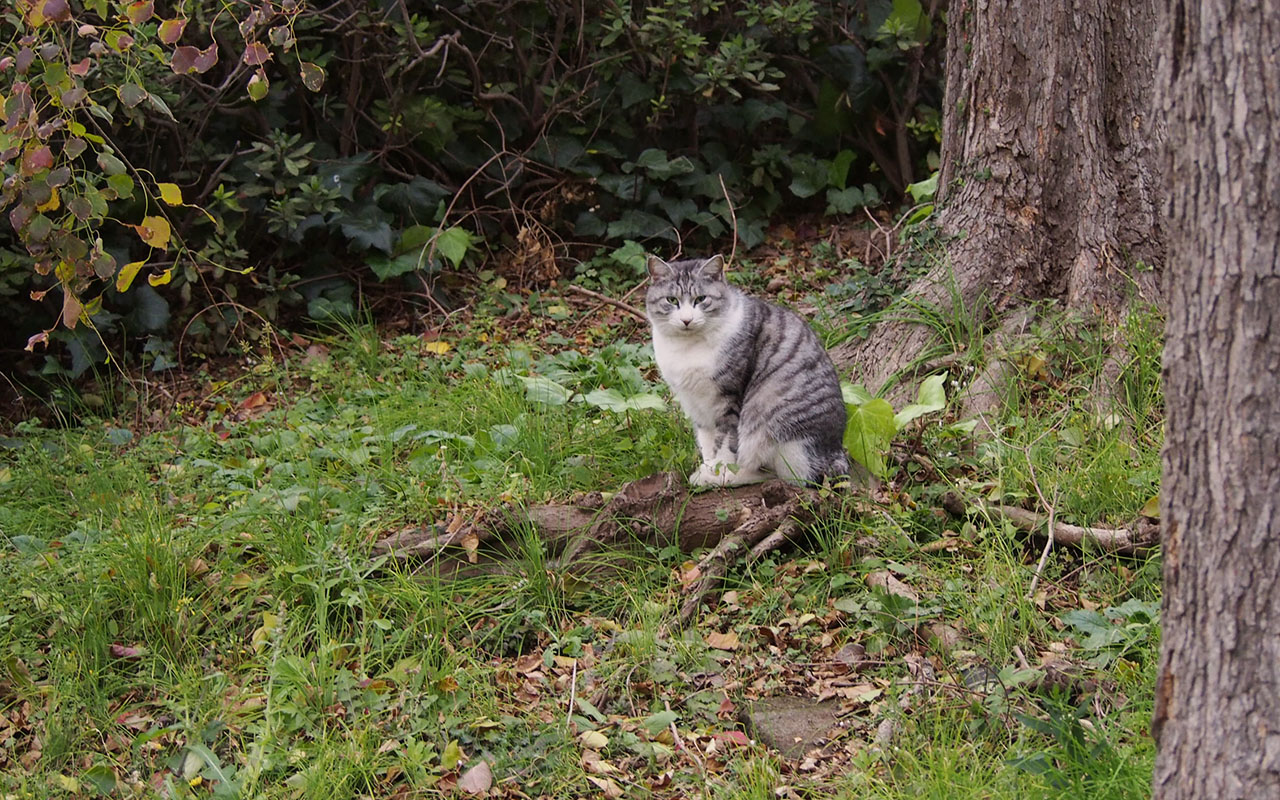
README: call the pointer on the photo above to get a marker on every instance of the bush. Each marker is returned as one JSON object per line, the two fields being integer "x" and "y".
{"x": 251, "y": 156}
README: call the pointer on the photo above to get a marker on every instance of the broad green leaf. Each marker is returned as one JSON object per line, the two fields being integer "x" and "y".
{"x": 925, "y": 189}
{"x": 451, "y": 756}
{"x": 855, "y": 393}
{"x": 131, "y": 94}
{"x": 932, "y": 396}
{"x": 659, "y": 722}
{"x": 612, "y": 400}
{"x": 838, "y": 174}
{"x": 544, "y": 391}
{"x": 870, "y": 430}
{"x": 453, "y": 243}
{"x": 102, "y": 777}
{"x": 844, "y": 201}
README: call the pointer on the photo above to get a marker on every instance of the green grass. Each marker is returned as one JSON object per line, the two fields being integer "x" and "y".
{"x": 194, "y": 611}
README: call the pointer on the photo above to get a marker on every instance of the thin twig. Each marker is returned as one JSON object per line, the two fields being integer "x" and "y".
{"x": 573, "y": 695}
{"x": 630, "y": 309}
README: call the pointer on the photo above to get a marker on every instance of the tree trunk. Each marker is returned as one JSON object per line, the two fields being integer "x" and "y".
{"x": 1217, "y": 718}
{"x": 1048, "y": 186}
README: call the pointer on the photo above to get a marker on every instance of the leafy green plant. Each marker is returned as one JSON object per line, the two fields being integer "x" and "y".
{"x": 873, "y": 424}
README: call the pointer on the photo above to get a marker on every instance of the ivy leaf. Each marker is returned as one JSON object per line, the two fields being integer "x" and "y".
{"x": 155, "y": 231}
{"x": 170, "y": 193}
{"x": 170, "y": 30}
{"x": 368, "y": 232}
{"x": 932, "y": 396}
{"x": 870, "y": 429}
{"x": 127, "y": 273}
{"x": 925, "y": 189}
{"x": 453, "y": 243}
{"x": 312, "y": 76}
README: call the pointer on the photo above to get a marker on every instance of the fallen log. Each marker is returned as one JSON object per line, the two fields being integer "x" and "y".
{"x": 579, "y": 535}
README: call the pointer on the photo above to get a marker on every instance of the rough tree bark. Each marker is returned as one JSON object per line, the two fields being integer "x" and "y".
{"x": 1049, "y": 180}
{"x": 1217, "y": 718}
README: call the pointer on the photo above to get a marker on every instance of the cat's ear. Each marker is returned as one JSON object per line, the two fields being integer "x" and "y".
{"x": 658, "y": 269}
{"x": 712, "y": 269}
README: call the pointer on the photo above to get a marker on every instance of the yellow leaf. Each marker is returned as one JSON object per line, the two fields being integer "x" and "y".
{"x": 594, "y": 740}
{"x": 170, "y": 193}
{"x": 67, "y": 783}
{"x": 127, "y": 273}
{"x": 1151, "y": 508}
{"x": 162, "y": 278}
{"x": 155, "y": 231}
{"x": 437, "y": 347}
{"x": 270, "y": 624}
{"x": 53, "y": 202}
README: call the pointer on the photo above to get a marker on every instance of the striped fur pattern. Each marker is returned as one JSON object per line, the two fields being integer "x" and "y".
{"x": 753, "y": 378}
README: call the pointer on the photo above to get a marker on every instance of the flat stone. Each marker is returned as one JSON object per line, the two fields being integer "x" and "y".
{"x": 791, "y": 725}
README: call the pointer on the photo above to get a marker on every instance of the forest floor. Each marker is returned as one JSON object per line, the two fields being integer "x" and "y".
{"x": 191, "y": 606}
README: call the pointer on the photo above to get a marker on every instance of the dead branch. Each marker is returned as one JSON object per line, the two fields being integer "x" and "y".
{"x": 630, "y": 309}
{"x": 1143, "y": 536}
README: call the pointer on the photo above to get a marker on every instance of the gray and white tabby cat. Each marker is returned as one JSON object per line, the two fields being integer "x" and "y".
{"x": 753, "y": 378}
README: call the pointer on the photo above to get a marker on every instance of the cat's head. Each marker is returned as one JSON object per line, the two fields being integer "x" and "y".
{"x": 689, "y": 296}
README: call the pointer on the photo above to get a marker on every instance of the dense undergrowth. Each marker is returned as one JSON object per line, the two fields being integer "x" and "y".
{"x": 192, "y": 611}
{"x": 177, "y": 174}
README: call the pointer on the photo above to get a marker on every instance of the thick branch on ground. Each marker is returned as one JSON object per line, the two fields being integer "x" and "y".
{"x": 1143, "y": 536}
{"x": 581, "y": 535}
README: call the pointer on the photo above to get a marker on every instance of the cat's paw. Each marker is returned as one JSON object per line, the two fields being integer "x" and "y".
{"x": 711, "y": 475}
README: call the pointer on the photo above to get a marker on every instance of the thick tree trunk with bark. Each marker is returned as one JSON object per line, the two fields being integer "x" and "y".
{"x": 1217, "y": 716}
{"x": 1049, "y": 184}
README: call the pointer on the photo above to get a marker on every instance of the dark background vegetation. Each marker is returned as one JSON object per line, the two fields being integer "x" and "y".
{"x": 326, "y": 150}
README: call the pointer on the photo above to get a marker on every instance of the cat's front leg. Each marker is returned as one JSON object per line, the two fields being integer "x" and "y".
{"x": 720, "y": 465}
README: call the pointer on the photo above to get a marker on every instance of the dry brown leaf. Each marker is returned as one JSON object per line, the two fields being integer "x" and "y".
{"x": 883, "y": 579}
{"x": 610, "y": 789}
{"x": 477, "y": 779}
{"x": 723, "y": 641}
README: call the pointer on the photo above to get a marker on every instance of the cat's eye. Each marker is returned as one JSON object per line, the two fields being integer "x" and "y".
{"x": 697, "y": 301}
{"x": 675, "y": 301}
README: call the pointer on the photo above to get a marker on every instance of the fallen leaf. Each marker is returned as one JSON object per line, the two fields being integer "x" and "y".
{"x": 593, "y": 740}
{"x": 607, "y": 786}
{"x": 438, "y": 347}
{"x": 723, "y": 641}
{"x": 125, "y": 651}
{"x": 883, "y": 579}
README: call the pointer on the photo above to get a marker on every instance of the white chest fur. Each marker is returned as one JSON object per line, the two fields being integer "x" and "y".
{"x": 689, "y": 363}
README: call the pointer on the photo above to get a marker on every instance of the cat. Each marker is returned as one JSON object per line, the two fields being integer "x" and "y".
{"x": 753, "y": 378}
